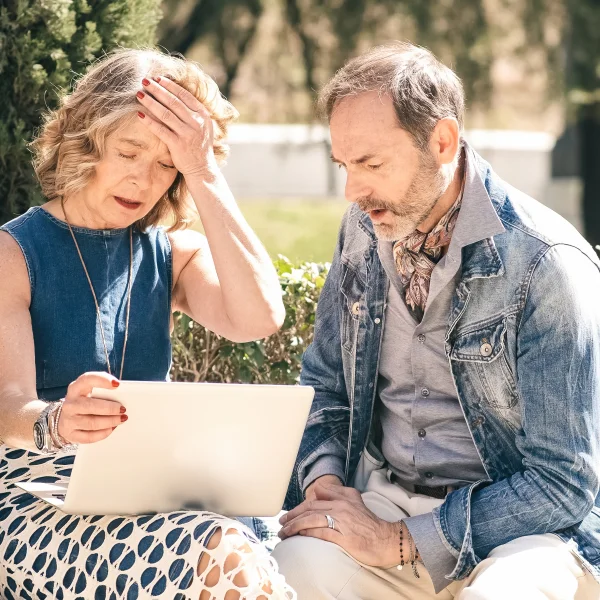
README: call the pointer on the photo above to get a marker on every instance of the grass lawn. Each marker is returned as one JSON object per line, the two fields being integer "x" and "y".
{"x": 301, "y": 229}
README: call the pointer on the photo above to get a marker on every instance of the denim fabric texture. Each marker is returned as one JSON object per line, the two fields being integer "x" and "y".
{"x": 523, "y": 346}
{"x": 65, "y": 328}
{"x": 63, "y": 315}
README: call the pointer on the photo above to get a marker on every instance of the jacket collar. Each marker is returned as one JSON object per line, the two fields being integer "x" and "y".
{"x": 485, "y": 199}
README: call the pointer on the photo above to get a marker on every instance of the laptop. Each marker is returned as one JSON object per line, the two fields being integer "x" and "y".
{"x": 224, "y": 448}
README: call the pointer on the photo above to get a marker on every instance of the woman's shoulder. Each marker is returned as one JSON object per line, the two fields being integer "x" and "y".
{"x": 15, "y": 272}
{"x": 15, "y": 245}
{"x": 22, "y": 221}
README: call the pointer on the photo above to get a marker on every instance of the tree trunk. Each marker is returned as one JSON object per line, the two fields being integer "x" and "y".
{"x": 589, "y": 132}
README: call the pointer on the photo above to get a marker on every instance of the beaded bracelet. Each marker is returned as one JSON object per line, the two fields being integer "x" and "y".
{"x": 412, "y": 557}
{"x": 399, "y": 567}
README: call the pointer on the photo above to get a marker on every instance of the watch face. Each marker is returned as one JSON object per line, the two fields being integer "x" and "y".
{"x": 38, "y": 436}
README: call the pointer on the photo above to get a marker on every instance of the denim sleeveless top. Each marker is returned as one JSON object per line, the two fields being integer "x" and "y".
{"x": 65, "y": 326}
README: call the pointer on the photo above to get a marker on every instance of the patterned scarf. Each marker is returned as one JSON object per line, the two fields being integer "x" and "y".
{"x": 417, "y": 255}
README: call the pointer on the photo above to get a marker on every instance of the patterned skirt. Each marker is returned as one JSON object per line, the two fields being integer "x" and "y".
{"x": 45, "y": 553}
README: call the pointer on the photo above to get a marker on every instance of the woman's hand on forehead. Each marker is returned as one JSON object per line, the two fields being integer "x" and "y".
{"x": 180, "y": 120}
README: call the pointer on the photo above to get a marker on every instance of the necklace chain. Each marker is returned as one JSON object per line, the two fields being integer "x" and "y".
{"x": 129, "y": 284}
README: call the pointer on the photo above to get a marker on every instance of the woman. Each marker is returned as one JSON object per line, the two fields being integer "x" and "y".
{"x": 88, "y": 283}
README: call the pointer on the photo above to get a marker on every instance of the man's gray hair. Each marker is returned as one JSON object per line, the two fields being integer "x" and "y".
{"x": 422, "y": 89}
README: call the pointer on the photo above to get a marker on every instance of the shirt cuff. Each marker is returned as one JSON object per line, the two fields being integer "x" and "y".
{"x": 324, "y": 465}
{"x": 437, "y": 559}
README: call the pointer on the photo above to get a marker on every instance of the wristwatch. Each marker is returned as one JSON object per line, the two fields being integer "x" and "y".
{"x": 41, "y": 431}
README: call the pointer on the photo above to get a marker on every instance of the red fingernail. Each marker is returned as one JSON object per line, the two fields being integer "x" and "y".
{"x": 141, "y": 115}
{"x": 123, "y": 409}
{"x": 145, "y": 81}
{"x": 115, "y": 383}
{"x": 124, "y": 418}
{"x": 157, "y": 79}
{"x": 140, "y": 95}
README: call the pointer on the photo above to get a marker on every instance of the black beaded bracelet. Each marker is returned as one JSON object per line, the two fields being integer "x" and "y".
{"x": 401, "y": 547}
{"x": 412, "y": 557}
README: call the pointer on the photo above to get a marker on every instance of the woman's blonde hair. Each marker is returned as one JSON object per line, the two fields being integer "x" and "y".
{"x": 72, "y": 139}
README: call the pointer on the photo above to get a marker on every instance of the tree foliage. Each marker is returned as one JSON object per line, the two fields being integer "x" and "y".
{"x": 199, "y": 355}
{"x": 229, "y": 26}
{"x": 353, "y": 23}
{"x": 583, "y": 84}
{"x": 557, "y": 37}
{"x": 43, "y": 43}
{"x": 328, "y": 32}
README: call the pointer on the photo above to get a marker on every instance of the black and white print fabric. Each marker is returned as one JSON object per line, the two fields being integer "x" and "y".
{"x": 46, "y": 554}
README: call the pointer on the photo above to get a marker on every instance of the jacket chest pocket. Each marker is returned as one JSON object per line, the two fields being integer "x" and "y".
{"x": 482, "y": 354}
{"x": 352, "y": 290}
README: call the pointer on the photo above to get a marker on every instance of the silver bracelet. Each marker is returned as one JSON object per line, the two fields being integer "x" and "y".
{"x": 59, "y": 441}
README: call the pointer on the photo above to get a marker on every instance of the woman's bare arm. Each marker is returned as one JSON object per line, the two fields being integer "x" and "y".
{"x": 84, "y": 420}
{"x": 19, "y": 406}
{"x": 229, "y": 286}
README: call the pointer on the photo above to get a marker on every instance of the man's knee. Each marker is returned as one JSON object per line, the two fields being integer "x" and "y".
{"x": 527, "y": 568}
{"x": 314, "y": 568}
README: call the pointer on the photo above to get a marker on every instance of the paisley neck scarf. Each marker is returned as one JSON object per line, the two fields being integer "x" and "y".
{"x": 416, "y": 256}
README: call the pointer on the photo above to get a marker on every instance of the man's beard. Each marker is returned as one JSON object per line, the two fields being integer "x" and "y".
{"x": 426, "y": 188}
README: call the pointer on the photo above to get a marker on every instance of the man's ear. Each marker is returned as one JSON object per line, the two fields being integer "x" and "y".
{"x": 445, "y": 140}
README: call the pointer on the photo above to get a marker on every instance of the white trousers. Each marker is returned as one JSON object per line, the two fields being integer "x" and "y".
{"x": 536, "y": 567}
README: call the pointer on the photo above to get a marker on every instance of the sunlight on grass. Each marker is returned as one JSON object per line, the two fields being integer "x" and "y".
{"x": 301, "y": 229}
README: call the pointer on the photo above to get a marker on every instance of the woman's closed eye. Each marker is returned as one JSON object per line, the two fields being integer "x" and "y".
{"x": 132, "y": 156}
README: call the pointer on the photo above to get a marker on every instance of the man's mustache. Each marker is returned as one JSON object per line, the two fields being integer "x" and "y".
{"x": 369, "y": 204}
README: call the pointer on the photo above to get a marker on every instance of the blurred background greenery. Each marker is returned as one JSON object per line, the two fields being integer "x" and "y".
{"x": 526, "y": 64}
{"x": 299, "y": 228}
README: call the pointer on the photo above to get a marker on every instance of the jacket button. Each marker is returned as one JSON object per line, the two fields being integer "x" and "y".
{"x": 425, "y": 392}
{"x": 429, "y": 475}
{"x": 422, "y": 433}
{"x": 356, "y": 308}
{"x": 421, "y": 338}
{"x": 486, "y": 349}
{"x": 377, "y": 321}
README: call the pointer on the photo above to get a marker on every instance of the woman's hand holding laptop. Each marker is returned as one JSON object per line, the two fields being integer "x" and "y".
{"x": 85, "y": 420}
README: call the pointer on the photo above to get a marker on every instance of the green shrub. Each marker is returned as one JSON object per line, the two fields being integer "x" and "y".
{"x": 43, "y": 43}
{"x": 199, "y": 355}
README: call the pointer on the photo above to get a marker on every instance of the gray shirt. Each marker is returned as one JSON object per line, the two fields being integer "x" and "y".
{"x": 426, "y": 440}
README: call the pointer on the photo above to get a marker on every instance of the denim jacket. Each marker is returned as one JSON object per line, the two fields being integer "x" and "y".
{"x": 531, "y": 401}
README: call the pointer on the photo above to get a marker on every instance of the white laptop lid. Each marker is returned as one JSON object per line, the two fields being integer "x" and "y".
{"x": 225, "y": 448}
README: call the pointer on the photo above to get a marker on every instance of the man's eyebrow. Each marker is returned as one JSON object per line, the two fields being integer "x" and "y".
{"x": 136, "y": 143}
{"x": 356, "y": 161}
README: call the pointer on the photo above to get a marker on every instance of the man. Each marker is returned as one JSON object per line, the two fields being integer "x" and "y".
{"x": 456, "y": 362}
